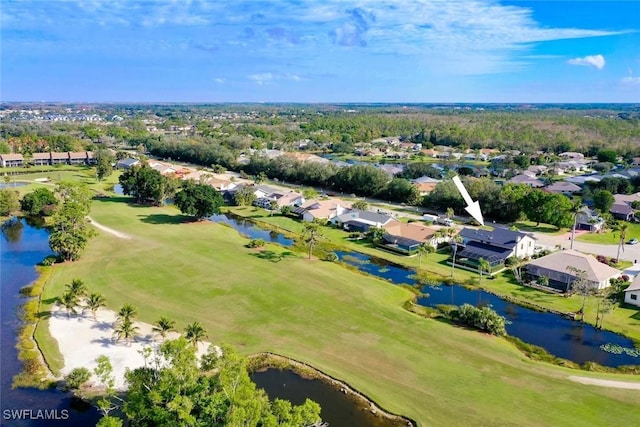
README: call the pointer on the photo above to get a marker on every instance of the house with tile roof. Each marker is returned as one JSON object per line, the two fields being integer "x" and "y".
{"x": 563, "y": 187}
{"x": 554, "y": 267}
{"x": 407, "y": 238}
{"x": 313, "y": 210}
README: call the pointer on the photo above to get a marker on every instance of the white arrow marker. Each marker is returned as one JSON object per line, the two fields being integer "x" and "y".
{"x": 472, "y": 207}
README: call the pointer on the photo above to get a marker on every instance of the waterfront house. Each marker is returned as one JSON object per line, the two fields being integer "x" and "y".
{"x": 360, "y": 220}
{"x": 494, "y": 246}
{"x": 554, "y": 267}
{"x": 41, "y": 159}
{"x": 632, "y": 293}
{"x": 407, "y": 238}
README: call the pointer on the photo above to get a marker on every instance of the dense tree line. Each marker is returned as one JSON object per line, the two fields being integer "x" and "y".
{"x": 508, "y": 203}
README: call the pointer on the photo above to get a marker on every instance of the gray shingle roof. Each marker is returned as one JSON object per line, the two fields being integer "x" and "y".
{"x": 496, "y": 237}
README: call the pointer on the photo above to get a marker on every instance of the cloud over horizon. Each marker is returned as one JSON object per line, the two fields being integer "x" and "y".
{"x": 596, "y": 61}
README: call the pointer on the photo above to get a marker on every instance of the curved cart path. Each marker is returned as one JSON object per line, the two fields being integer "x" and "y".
{"x": 109, "y": 230}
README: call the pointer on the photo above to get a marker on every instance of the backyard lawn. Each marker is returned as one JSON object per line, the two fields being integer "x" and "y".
{"x": 610, "y": 237}
{"x": 347, "y": 324}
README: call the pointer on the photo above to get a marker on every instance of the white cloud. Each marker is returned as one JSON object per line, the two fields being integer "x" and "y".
{"x": 596, "y": 61}
{"x": 630, "y": 80}
{"x": 219, "y": 80}
{"x": 261, "y": 78}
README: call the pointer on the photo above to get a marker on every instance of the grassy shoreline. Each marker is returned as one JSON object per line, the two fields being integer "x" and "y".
{"x": 625, "y": 321}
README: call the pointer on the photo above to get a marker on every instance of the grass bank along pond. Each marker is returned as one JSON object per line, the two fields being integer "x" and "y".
{"x": 23, "y": 246}
{"x": 561, "y": 337}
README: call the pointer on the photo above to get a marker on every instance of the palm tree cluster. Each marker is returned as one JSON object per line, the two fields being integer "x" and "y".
{"x": 76, "y": 293}
{"x": 195, "y": 333}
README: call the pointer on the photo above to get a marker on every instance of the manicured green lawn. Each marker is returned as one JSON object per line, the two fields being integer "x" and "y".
{"x": 347, "y": 324}
{"x": 530, "y": 226}
{"x": 610, "y": 237}
{"x": 623, "y": 320}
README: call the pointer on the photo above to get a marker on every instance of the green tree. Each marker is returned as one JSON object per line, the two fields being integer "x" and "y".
{"x": 9, "y": 201}
{"x": 70, "y": 226}
{"x": 360, "y": 204}
{"x": 309, "y": 193}
{"x": 198, "y": 200}
{"x": 77, "y": 288}
{"x": 245, "y": 196}
{"x": 483, "y": 266}
{"x": 104, "y": 372}
{"x": 40, "y": 202}
{"x": 424, "y": 249}
{"x": 401, "y": 190}
{"x": 77, "y": 378}
{"x": 94, "y": 302}
{"x": 311, "y": 234}
{"x": 104, "y": 164}
{"x": 145, "y": 185}
{"x": 609, "y": 156}
{"x": 109, "y": 421}
{"x": 163, "y": 326}
{"x": 622, "y": 228}
{"x": 195, "y": 333}
{"x": 126, "y": 312}
{"x": 125, "y": 330}
{"x": 70, "y": 301}
{"x": 581, "y": 286}
{"x": 603, "y": 200}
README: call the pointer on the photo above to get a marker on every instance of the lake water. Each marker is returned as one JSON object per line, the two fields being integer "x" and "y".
{"x": 249, "y": 229}
{"x": 562, "y": 337}
{"x": 22, "y": 246}
{"x": 338, "y": 409}
{"x": 12, "y": 184}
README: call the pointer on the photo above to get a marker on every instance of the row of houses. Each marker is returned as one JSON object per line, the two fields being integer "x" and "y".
{"x": 48, "y": 159}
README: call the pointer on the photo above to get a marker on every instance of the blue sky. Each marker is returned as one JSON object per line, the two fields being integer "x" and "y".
{"x": 320, "y": 51}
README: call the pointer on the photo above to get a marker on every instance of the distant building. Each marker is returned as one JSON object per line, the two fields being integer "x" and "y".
{"x": 11, "y": 160}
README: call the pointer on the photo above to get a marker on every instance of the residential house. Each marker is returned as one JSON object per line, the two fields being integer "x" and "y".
{"x": 537, "y": 169}
{"x": 41, "y": 159}
{"x": 359, "y": 220}
{"x": 163, "y": 168}
{"x": 307, "y": 157}
{"x": 582, "y": 179}
{"x": 78, "y": 158}
{"x": 391, "y": 169}
{"x": 494, "y": 246}
{"x": 407, "y": 238}
{"x": 425, "y": 184}
{"x": 587, "y": 219}
{"x": 621, "y": 208}
{"x": 555, "y": 268}
{"x": 265, "y": 195}
{"x": 59, "y": 158}
{"x": 127, "y": 163}
{"x": 571, "y": 155}
{"x": 632, "y": 293}
{"x": 91, "y": 159}
{"x": 321, "y": 209}
{"x": 563, "y": 187}
{"x": 526, "y": 180}
{"x": 11, "y": 160}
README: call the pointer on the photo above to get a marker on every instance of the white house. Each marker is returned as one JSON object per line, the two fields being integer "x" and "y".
{"x": 632, "y": 293}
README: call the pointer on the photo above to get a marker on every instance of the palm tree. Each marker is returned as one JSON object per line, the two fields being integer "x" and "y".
{"x": 77, "y": 288}
{"x": 622, "y": 228}
{"x": 425, "y": 249}
{"x": 454, "y": 247}
{"x": 94, "y": 302}
{"x": 69, "y": 300}
{"x": 125, "y": 330}
{"x": 576, "y": 207}
{"x": 483, "y": 265}
{"x": 163, "y": 326}
{"x": 194, "y": 333}
{"x": 311, "y": 235}
{"x": 127, "y": 312}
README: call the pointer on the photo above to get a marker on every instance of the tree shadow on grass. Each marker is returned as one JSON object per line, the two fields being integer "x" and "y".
{"x": 160, "y": 219}
{"x": 274, "y": 256}
{"x": 115, "y": 199}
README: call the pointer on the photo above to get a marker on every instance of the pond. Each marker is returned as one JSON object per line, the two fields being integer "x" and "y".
{"x": 23, "y": 246}
{"x": 12, "y": 184}
{"x": 249, "y": 229}
{"x": 337, "y": 408}
{"x": 562, "y": 337}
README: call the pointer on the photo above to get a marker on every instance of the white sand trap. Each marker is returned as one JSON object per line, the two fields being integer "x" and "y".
{"x": 81, "y": 340}
{"x": 606, "y": 383}
{"x": 109, "y": 230}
